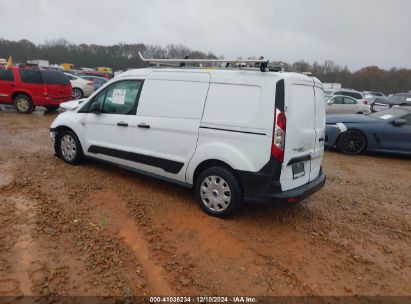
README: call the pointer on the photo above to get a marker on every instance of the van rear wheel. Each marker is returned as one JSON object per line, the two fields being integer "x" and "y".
{"x": 218, "y": 192}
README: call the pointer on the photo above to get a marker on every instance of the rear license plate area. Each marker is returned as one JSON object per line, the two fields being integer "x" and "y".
{"x": 298, "y": 170}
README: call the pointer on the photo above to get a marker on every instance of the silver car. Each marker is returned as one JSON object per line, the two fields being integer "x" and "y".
{"x": 345, "y": 105}
{"x": 350, "y": 93}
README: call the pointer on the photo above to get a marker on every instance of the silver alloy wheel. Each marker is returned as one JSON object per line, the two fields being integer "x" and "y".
{"x": 68, "y": 147}
{"x": 23, "y": 104}
{"x": 76, "y": 93}
{"x": 215, "y": 193}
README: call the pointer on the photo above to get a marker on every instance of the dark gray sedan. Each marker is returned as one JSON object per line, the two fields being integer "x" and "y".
{"x": 384, "y": 131}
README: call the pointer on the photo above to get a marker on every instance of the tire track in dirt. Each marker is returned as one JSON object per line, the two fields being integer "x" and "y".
{"x": 108, "y": 204}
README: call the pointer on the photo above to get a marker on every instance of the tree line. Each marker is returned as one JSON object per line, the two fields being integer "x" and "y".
{"x": 123, "y": 56}
{"x": 119, "y": 56}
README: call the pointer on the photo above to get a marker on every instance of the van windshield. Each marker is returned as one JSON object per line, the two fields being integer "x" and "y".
{"x": 54, "y": 77}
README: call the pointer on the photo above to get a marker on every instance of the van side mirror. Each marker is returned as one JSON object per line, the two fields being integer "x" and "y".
{"x": 399, "y": 122}
{"x": 330, "y": 102}
{"x": 95, "y": 108}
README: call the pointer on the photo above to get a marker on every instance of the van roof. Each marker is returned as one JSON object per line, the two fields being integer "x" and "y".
{"x": 218, "y": 73}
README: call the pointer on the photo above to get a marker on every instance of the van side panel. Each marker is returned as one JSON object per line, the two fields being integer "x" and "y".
{"x": 241, "y": 151}
{"x": 230, "y": 104}
{"x": 172, "y": 109}
{"x": 172, "y": 99}
{"x": 237, "y": 124}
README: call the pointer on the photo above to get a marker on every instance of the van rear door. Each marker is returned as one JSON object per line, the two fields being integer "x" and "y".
{"x": 318, "y": 155}
{"x": 300, "y": 138}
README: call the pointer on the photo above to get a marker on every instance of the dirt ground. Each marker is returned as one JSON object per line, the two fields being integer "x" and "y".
{"x": 95, "y": 229}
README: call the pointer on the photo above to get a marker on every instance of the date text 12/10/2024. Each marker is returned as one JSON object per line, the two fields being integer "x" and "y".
{"x": 203, "y": 299}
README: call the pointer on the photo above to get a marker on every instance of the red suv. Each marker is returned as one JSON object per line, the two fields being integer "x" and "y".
{"x": 28, "y": 87}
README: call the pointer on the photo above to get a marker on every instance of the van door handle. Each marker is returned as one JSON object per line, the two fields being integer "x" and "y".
{"x": 122, "y": 124}
{"x": 321, "y": 139}
{"x": 143, "y": 125}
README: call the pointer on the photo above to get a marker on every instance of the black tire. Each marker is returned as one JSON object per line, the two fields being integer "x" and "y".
{"x": 23, "y": 104}
{"x": 77, "y": 93}
{"x": 73, "y": 152}
{"x": 226, "y": 189}
{"x": 352, "y": 142}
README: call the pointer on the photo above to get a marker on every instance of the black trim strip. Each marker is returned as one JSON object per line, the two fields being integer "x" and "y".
{"x": 228, "y": 130}
{"x": 165, "y": 164}
{"x": 280, "y": 95}
{"x": 300, "y": 159}
{"x": 145, "y": 173}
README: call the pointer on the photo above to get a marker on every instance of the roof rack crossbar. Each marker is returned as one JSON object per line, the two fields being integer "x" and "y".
{"x": 181, "y": 62}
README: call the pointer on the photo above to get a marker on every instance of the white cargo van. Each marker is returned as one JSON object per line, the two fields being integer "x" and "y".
{"x": 231, "y": 135}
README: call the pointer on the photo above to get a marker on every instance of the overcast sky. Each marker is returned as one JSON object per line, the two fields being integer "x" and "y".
{"x": 356, "y": 33}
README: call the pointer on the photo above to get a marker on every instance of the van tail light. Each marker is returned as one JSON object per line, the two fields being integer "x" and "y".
{"x": 279, "y": 130}
{"x": 365, "y": 101}
{"x": 90, "y": 83}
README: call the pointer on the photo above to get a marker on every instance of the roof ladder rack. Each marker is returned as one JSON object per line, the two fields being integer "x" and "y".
{"x": 182, "y": 62}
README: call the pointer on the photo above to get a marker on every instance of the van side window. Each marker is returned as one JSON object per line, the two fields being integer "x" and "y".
{"x": 6, "y": 75}
{"x": 30, "y": 76}
{"x": 119, "y": 98}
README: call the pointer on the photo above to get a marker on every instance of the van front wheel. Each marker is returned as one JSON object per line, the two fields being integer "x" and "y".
{"x": 218, "y": 192}
{"x": 69, "y": 147}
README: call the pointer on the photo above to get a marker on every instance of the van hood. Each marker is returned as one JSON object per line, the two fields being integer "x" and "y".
{"x": 72, "y": 104}
{"x": 350, "y": 118}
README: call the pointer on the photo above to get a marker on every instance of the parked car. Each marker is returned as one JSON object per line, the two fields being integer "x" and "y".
{"x": 28, "y": 87}
{"x": 384, "y": 131}
{"x": 97, "y": 81}
{"x": 80, "y": 87}
{"x": 345, "y": 105}
{"x": 370, "y": 94}
{"x": 179, "y": 125}
{"x": 98, "y": 74}
{"x": 350, "y": 93}
{"x": 383, "y": 103}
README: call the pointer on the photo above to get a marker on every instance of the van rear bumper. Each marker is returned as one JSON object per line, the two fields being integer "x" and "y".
{"x": 300, "y": 193}
{"x": 272, "y": 192}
